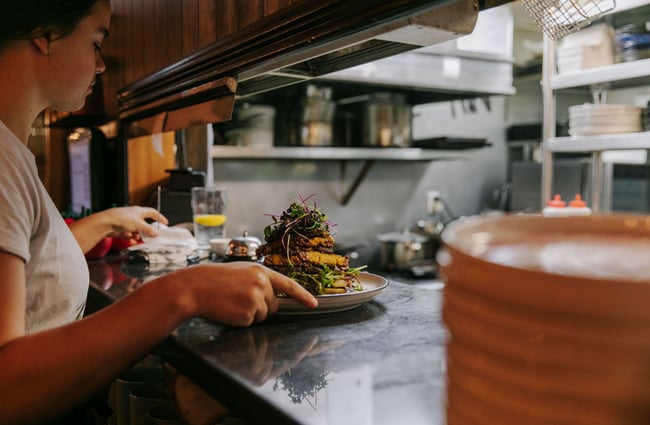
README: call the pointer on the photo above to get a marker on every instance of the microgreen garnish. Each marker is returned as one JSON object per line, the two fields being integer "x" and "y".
{"x": 299, "y": 219}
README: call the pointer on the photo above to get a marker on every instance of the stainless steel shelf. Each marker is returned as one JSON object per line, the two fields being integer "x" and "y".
{"x": 601, "y": 142}
{"x": 337, "y": 153}
{"x": 368, "y": 155}
{"x": 626, "y": 74}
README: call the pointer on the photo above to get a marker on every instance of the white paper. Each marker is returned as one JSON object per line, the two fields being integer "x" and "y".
{"x": 168, "y": 237}
{"x": 157, "y": 144}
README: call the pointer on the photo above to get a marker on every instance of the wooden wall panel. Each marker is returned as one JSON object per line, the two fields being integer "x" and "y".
{"x": 271, "y": 6}
{"x": 114, "y": 51}
{"x": 136, "y": 55}
{"x": 165, "y": 35}
{"x": 189, "y": 29}
{"x": 152, "y": 34}
{"x": 147, "y": 166}
{"x": 148, "y": 35}
{"x": 209, "y": 18}
{"x": 249, "y": 11}
{"x": 227, "y": 22}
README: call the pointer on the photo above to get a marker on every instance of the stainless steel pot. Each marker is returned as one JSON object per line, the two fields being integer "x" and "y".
{"x": 313, "y": 125}
{"x": 401, "y": 251}
{"x": 376, "y": 120}
{"x": 387, "y": 121}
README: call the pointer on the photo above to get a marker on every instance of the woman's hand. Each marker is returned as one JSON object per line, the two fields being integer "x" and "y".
{"x": 125, "y": 221}
{"x": 235, "y": 294}
{"x": 119, "y": 221}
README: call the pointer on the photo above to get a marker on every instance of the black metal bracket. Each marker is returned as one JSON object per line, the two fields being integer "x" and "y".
{"x": 356, "y": 182}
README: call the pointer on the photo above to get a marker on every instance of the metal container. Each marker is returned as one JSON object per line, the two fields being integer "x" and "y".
{"x": 313, "y": 125}
{"x": 401, "y": 251}
{"x": 243, "y": 248}
{"x": 387, "y": 121}
{"x": 254, "y": 126}
{"x": 377, "y": 120}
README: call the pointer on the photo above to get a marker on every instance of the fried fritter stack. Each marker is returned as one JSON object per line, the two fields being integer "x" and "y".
{"x": 299, "y": 245}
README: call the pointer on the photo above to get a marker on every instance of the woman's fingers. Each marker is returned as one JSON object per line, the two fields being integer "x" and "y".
{"x": 263, "y": 311}
{"x": 152, "y": 214}
{"x": 239, "y": 293}
{"x": 125, "y": 220}
{"x": 290, "y": 287}
{"x": 157, "y": 216}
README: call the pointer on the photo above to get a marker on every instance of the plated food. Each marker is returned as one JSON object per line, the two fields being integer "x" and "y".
{"x": 299, "y": 245}
{"x": 373, "y": 285}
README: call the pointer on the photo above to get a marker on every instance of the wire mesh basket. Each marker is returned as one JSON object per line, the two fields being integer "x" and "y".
{"x": 559, "y": 18}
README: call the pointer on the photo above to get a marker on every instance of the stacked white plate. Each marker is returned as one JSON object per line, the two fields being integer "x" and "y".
{"x": 591, "y": 119}
{"x": 548, "y": 320}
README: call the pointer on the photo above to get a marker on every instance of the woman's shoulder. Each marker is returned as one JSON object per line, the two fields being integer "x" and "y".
{"x": 17, "y": 161}
{"x": 11, "y": 146}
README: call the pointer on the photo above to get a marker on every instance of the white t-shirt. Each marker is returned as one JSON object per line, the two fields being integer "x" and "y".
{"x": 32, "y": 228}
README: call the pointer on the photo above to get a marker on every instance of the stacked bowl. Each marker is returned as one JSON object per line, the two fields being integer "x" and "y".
{"x": 548, "y": 320}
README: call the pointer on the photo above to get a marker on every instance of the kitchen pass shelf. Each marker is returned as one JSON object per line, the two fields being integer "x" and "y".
{"x": 343, "y": 154}
{"x": 338, "y": 153}
{"x": 601, "y": 142}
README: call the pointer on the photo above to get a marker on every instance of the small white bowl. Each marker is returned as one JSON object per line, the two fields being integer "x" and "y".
{"x": 219, "y": 246}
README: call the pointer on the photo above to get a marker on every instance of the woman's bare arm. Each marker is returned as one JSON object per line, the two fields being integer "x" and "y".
{"x": 47, "y": 373}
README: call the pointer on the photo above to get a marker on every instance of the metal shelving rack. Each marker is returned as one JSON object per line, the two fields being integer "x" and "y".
{"x": 620, "y": 75}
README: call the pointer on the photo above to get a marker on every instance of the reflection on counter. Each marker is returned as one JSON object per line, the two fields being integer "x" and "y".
{"x": 329, "y": 368}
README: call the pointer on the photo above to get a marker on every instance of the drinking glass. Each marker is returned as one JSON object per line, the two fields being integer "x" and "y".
{"x": 209, "y": 214}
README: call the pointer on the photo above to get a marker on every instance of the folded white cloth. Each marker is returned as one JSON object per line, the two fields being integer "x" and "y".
{"x": 172, "y": 246}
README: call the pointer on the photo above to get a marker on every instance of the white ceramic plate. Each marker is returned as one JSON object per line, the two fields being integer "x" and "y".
{"x": 373, "y": 285}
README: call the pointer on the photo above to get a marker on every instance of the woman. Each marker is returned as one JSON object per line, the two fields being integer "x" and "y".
{"x": 51, "y": 359}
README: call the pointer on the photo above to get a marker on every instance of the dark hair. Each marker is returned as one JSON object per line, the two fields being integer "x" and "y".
{"x": 26, "y": 19}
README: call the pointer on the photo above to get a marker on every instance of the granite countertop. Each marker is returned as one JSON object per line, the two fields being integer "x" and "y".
{"x": 380, "y": 363}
